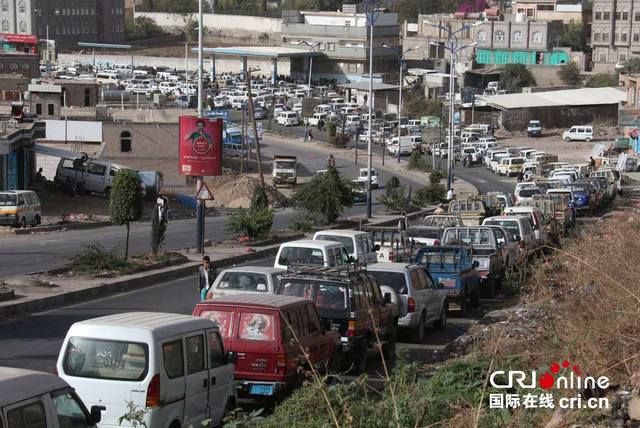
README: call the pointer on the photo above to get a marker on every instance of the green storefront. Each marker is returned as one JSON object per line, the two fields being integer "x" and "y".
{"x": 499, "y": 57}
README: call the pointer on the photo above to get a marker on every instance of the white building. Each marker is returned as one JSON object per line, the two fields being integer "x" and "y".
{"x": 15, "y": 17}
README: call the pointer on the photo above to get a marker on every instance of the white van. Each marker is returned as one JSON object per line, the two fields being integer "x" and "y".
{"x": 238, "y": 101}
{"x": 579, "y": 133}
{"x": 172, "y": 366}
{"x": 311, "y": 252}
{"x": 108, "y": 78}
{"x": 288, "y": 118}
{"x": 510, "y": 166}
{"x": 353, "y": 120}
{"x": 363, "y": 173}
{"x": 19, "y": 208}
{"x": 36, "y": 399}
{"x": 97, "y": 176}
{"x": 405, "y": 147}
{"x": 359, "y": 244}
{"x": 520, "y": 228}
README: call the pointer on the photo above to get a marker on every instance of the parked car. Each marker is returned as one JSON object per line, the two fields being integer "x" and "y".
{"x": 442, "y": 220}
{"x": 36, "y": 399}
{"x": 534, "y": 129}
{"x": 353, "y": 303}
{"x": 521, "y": 230}
{"x": 270, "y": 336}
{"x": 259, "y": 113}
{"x": 160, "y": 362}
{"x": 392, "y": 244}
{"x": 358, "y": 244}
{"x": 579, "y": 133}
{"x": 311, "y": 252}
{"x": 245, "y": 279}
{"x": 93, "y": 176}
{"x": 288, "y": 118}
{"x": 19, "y": 208}
{"x": 420, "y": 236}
{"x": 363, "y": 174}
{"x": 421, "y": 302}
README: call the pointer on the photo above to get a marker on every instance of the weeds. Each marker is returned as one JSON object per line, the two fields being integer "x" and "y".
{"x": 96, "y": 259}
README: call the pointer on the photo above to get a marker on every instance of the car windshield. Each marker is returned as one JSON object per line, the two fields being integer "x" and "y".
{"x": 510, "y": 225}
{"x": 105, "y": 359}
{"x": 245, "y": 281}
{"x": 529, "y": 192}
{"x": 8, "y": 200}
{"x": 517, "y": 161}
{"x": 395, "y": 280}
{"x": 344, "y": 240}
{"x": 423, "y": 232}
{"x": 285, "y": 165}
{"x": 326, "y": 295}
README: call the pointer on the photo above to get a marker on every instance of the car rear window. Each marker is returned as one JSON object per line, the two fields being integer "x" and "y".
{"x": 301, "y": 255}
{"x": 224, "y": 320}
{"x": 106, "y": 359}
{"x": 395, "y": 280}
{"x": 7, "y": 200}
{"x": 245, "y": 281}
{"x": 510, "y": 225}
{"x": 418, "y": 232}
{"x": 344, "y": 240}
{"x": 529, "y": 192}
{"x": 256, "y": 326}
{"x": 324, "y": 295}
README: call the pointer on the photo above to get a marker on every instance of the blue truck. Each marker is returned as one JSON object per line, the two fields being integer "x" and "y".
{"x": 453, "y": 268}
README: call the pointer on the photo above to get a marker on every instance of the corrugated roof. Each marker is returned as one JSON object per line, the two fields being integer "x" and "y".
{"x": 45, "y": 87}
{"x": 570, "y": 97}
{"x": 261, "y": 51}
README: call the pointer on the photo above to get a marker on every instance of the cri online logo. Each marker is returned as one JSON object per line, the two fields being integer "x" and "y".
{"x": 562, "y": 376}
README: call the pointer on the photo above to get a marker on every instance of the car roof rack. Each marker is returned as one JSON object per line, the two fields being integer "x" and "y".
{"x": 343, "y": 270}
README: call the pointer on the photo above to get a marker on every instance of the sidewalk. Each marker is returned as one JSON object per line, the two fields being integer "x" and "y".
{"x": 462, "y": 188}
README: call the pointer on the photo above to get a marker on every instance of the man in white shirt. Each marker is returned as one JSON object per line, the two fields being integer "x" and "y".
{"x": 450, "y": 195}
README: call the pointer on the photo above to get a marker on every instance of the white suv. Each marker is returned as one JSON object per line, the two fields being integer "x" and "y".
{"x": 288, "y": 118}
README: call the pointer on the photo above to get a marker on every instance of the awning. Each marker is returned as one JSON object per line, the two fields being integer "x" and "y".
{"x": 52, "y": 151}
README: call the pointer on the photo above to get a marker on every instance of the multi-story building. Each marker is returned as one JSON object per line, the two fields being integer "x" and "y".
{"x": 342, "y": 38}
{"x": 73, "y": 21}
{"x": 520, "y": 42}
{"x": 15, "y": 16}
{"x": 553, "y": 10}
{"x": 615, "y": 33}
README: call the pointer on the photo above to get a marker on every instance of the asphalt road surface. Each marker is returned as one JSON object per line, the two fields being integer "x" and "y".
{"x": 23, "y": 254}
{"x": 33, "y": 341}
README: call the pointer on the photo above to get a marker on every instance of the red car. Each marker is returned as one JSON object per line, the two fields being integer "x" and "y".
{"x": 261, "y": 330}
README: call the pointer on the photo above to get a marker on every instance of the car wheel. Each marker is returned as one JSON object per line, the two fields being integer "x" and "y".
{"x": 588, "y": 140}
{"x": 418, "y": 333}
{"x": 464, "y": 305}
{"x": 567, "y": 139}
{"x": 441, "y": 323}
{"x": 23, "y": 223}
{"x": 38, "y": 220}
{"x": 489, "y": 289}
{"x": 228, "y": 409}
{"x": 475, "y": 299}
{"x": 389, "y": 348}
{"x": 359, "y": 363}
{"x": 107, "y": 192}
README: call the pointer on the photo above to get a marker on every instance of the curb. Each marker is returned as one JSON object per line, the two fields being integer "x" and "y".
{"x": 56, "y": 227}
{"x": 128, "y": 284}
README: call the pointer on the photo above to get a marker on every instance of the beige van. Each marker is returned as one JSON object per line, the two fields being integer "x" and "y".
{"x": 20, "y": 208}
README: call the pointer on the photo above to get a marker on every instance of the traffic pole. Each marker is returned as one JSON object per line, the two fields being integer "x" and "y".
{"x": 200, "y": 207}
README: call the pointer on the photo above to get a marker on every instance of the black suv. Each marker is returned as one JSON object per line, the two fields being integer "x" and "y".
{"x": 350, "y": 301}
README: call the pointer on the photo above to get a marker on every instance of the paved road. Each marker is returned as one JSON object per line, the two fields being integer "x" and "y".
{"x": 33, "y": 341}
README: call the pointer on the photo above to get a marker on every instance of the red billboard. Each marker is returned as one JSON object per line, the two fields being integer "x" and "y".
{"x": 19, "y": 38}
{"x": 200, "y": 147}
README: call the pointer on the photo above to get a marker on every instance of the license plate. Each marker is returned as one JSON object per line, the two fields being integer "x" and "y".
{"x": 448, "y": 282}
{"x": 261, "y": 390}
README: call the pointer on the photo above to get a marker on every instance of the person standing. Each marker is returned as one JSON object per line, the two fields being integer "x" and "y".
{"x": 206, "y": 275}
{"x": 450, "y": 195}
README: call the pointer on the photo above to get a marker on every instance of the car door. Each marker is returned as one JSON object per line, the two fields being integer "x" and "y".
{"x": 94, "y": 177}
{"x": 418, "y": 291}
{"x": 321, "y": 340}
{"x": 196, "y": 380}
{"x": 433, "y": 296}
{"x": 372, "y": 299}
{"x": 221, "y": 385}
{"x": 30, "y": 413}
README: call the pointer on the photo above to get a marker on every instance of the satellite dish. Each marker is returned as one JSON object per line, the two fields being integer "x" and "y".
{"x": 26, "y": 96}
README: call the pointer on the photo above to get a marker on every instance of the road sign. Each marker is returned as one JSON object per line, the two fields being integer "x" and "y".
{"x": 203, "y": 193}
{"x": 224, "y": 114}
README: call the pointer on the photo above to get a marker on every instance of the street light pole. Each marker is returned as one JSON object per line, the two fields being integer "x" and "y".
{"x": 399, "y": 108}
{"x": 370, "y": 139}
{"x": 200, "y": 208}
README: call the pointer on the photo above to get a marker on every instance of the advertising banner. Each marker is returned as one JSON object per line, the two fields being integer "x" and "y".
{"x": 200, "y": 146}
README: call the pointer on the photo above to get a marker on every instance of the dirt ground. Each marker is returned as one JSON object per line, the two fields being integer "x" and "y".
{"x": 551, "y": 142}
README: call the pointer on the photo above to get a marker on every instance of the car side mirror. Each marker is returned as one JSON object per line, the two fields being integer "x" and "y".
{"x": 518, "y": 238}
{"x": 475, "y": 264}
{"x": 231, "y": 357}
{"x": 95, "y": 415}
{"x": 352, "y": 259}
{"x": 387, "y": 298}
{"x": 376, "y": 247}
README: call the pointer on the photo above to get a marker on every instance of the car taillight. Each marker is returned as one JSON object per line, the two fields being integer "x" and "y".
{"x": 436, "y": 242}
{"x": 351, "y": 328}
{"x": 391, "y": 255}
{"x": 521, "y": 245}
{"x": 411, "y": 305}
{"x": 55, "y": 371}
{"x": 153, "y": 392}
{"x": 281, "y": 360}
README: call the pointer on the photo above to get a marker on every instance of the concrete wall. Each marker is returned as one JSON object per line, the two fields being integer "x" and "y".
{"x": 559, "y": 117}
{"x": 223, "y": 64}
{"x": 216, "y": 21}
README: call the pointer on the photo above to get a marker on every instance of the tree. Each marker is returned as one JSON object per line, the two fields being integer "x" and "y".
{"x": 514, "y": 77}
{"x": 175, "y": 6}
{"x": 632, "y": 65}
{"x": 601, "y": 80}
{"x": 570, "y": 73}
{"x": 573, "y": 36}
{"x": 431, "y": 194}
{"x": 395, "y": 195}
{"x": 325, "y": 196}
{"x": 254, "y": 222}
{"x": 416, "y": 105}
{"x": 238, "y": 5}
{"x": 142, "y": 27}
{"x": 125, "y": 205}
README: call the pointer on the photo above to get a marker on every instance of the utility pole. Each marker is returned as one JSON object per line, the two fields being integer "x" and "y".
{"x": 255, "y": 130}
{"x": 200, "y": 208}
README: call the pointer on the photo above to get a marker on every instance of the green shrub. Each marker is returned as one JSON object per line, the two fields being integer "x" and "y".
{"x": 325, "y": 196}
{"x": 254, "y": 222}
{"x": 340, "y": 140}
{"x": 96, "y": 259}
{"x": 434, "y": 193}
{"x": 436, "y": 176}
{"x": 396, "y": 197}
{"x": 331, "y": 129}
{"x": 417, "y": 162}
{"x": 125, "y": 203}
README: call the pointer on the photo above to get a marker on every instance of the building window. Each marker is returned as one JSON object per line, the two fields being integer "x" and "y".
{"x": 549, "y": 7}
{"x": 605, "y": 37}
{"x": 24, "y": 66}
{"x": 125, "y": 141}
{"x": 38, "y": 109}
{"x": 5, "y": 26}
{"x": 482, "y": 36}
{"x": 597, "y": 37}
{"x": 499, "y": 35}
{"x": 87, "y": 97}
{"x": 603, "y": 57}
{"x": 50, "y": 109}
{"x": 599, "y": 15}
{"x": 22, "y": 6}
{"x": 352, "y": 68}
{"x": 636, "y": 17}
{"x": 616, "y": 36}
{"x": 537, "y": 37}
{"x": 618, "y": 16}
{"x": 23, "y": 27}
{"x": 622, "y": 57}
{"x": 636, "y": 37}
{"x": 607, "y": 15}
{"x": 625, "y": 15}
{"x": 517, "y": 37}
{"x": 13, "y": 67}
{"x": 5, "y": 6}
{"x": 623, "y": 37}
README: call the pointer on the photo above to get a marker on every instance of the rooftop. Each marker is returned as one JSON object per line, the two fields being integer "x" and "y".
{"x": 260, "y": 51}
{"x": 255, "y": 299}
{"x": 570, "y": 97}
{"x": 364, "y": 86}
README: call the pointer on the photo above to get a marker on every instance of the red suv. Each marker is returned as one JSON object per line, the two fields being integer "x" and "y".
{"x": 260, "y": 329}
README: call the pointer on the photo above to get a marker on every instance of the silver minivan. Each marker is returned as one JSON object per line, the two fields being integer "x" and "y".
{"x": 359, "y": 244}
{"x": 95, "y": 176}
{"x": 420, "y": 300}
